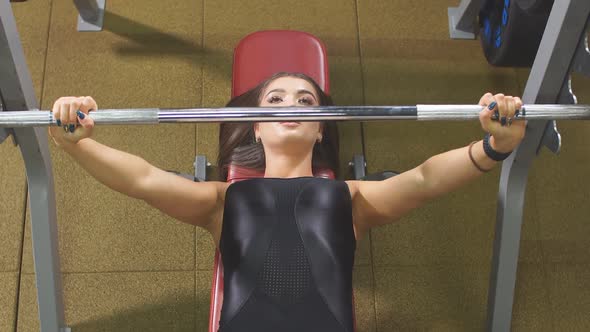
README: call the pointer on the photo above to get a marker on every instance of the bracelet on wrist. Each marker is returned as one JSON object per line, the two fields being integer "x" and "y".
{"x": 491, "y": 153}
{"x": 473, "y": 159}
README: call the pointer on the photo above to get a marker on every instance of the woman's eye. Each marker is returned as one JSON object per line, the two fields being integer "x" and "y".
{"x": 275, "y": 99}
{"x": 306, "y": 101}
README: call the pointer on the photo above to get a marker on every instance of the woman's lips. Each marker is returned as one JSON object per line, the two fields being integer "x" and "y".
{"x": 289, "y": 123}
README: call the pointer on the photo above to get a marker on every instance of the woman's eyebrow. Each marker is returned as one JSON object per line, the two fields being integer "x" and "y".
{"x": 304, "y": 91}
{"x": 300, "y": 91}
{"x": 277, "y": 90}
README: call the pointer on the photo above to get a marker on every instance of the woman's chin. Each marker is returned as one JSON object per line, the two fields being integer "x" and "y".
{"x": 290, "y": 141}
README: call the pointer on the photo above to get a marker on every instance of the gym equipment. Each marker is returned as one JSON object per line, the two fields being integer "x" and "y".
{"x": 256, "y": 57}
{"x": 562, "y": 49}
{"x": 319, "y": 113}
{"x": 511, "y": 30}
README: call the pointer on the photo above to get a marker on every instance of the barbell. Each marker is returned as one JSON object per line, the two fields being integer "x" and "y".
{"x": 40, "y": 118}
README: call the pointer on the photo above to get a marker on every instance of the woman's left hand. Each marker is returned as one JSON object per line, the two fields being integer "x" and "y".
{"x": 505, "y": 130}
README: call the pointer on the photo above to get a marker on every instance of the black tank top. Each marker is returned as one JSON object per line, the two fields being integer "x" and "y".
{"x": 287, "y": 247}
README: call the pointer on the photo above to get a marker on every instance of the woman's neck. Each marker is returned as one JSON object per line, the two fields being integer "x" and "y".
{"x": 287, "y": 166}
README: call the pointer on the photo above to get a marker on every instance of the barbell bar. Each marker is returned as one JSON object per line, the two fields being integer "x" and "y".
{"x": 39, "y": 118}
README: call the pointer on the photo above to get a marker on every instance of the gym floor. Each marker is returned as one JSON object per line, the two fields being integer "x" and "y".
{"x": 128, "y": 267}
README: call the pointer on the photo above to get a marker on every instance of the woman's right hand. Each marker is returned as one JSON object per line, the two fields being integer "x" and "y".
{"x": 73, "y": 122}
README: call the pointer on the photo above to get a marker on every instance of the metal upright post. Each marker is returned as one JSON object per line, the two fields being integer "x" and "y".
{"x": 17, "y": 91}
{"x": 565, "y": 28}
{"x": 462, "y": 19}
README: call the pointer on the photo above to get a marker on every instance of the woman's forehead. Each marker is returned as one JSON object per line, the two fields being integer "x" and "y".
{"x": 290, "y": 84}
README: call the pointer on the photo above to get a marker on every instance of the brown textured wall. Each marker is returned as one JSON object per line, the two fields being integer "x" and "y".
{"x": 127, "y": 266}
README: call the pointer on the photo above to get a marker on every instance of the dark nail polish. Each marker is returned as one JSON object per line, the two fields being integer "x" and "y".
{"x": 72, "y": 128}
{"x": 492, "y": 105}
{"x": 517, "y": 113}
{"x": 503, "y": 121}
{"x": 80, "y": 114}
{"x": 495, "y": 116}
{"x": 58, "y": 122}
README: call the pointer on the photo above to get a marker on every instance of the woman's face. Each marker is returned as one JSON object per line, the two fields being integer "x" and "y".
{"x": 284, "y": 92}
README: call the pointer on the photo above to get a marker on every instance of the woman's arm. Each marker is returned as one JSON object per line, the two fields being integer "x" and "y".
{"x": 185, "y": 200}
{"x": 191, "y": 202}
{"x": 196, "y": 203}
{"x": 115, "y": 169}
{"x": 380, "y": 202}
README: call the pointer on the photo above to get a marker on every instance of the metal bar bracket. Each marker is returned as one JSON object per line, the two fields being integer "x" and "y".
{"x": 551, "y": 138}
{"x": 201, "y": 165}
{"x": 5, "y": 132}
{"x": 359, "y": 166}
{"x": 581, "y": 62}
{"x": 91, "y": 14}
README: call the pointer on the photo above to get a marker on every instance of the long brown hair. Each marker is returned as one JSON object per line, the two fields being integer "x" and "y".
{"x": 237, "y": 143}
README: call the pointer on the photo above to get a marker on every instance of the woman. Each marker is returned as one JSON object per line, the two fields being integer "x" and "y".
{"x": 287, "y": 240}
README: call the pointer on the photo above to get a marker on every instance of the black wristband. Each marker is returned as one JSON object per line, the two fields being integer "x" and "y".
{"x": 493, "y": 154}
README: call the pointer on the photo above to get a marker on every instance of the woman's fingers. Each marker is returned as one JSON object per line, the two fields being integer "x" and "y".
{"x": 489, "y": 107}
{"x": 74, "y": 106}
{"x": 85, "y": 120}
{"x": 64, "y": 113}
{"x": 511, "y": 107}
{"x": 66, "y": 109}
{"x": 499, "y": 112}
{"x": 517, "y": 105}
{"x": 500, "y": 108}
{"x": 70, "y": 113}
{"x": 486, "y": 99}
{"x": 88, "y": 104}
{"x": 505, "y": 111}
{"x": 56, "y": 109}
